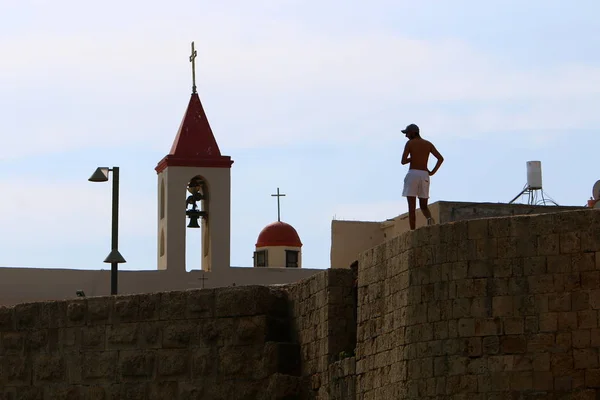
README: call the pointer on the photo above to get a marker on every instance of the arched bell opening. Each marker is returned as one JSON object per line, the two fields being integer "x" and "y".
{"x": 197, "y": 213}
{"x": 161, "y": 246}
{"x": 162, "y": 198}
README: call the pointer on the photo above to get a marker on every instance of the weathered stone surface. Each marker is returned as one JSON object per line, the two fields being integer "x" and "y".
{"x": 522, "y": 311}
{"x": 489, "y": 309}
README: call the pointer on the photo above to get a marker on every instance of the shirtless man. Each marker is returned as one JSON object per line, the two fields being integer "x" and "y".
{"x": 416, "y": 182}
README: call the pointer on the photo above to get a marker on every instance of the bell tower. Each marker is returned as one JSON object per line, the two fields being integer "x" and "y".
{"x": 194, "y": 192}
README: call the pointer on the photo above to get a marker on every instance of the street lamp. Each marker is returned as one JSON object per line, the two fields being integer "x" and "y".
{"x": 114, "y": 258}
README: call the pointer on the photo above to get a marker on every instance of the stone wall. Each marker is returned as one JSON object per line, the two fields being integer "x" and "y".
{"x": 500, "y": 308}
{"x": 251, "y": 342}
{"x": 323, "y": 323}
{"x": 231, "y": 343}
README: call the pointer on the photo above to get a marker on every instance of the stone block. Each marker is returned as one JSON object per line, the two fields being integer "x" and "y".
{"x": 592, "y": 378}
{"x": 250, "y": 300}
{"x": 480, "y": 269}
{"x": 514, "y": 325}
{"x": 481, "y": 307}
{"x": 561, "y": 363}
{"x": 570, "y": 242}
{"x": 477, "y": 229}
{"x": 587, "y": 319}
{"x": 527, "y": 246}
{"x": 27, "y": 316}
{"x": 541, "y": 362}
{"x": 548, "y": 322}
{"x": 41, "y": 341}
{"x": 513, "y": 344}
{"x": 12, "y": 342}
{"x": 559, "y": 264}
{"x": 64, "y": 392}
{"x": 559, "y": 302}
{"x": 163, "y": 390}
{"x": 502, "y": 306}
{"x": 466, "y": 327}
{"x": 129, "y": 391}
{"x": 7, "y": 319}
{"x": 174, "y": 364}
{"x": 567, "y": 321}
{"x": 488, "y": 327}
{"x": 49, "y": 368}
{"x": 518, "y": 285}
{"x": 499, "y": 287}
{"x": 583, "y": 262}
{"x": 540, "y": 284}
{"x": 471, "y": 287}
{"x": 179, "y": 334}
{"x": 581, "y": 338}
{"x": 136, "y": 364}
{"x": 567, "y": 282}
{"x": 580, "y": 300}
{"x": 540, "y": 342}
{"x": 549, "y": 245}
{"x": 594, "y": 297}
{"x": 523, "y": 362}
{"x": 93, "y": 337}
{"x": 97, "y": 366}
{"x": 534, "y": 265}
{"x": 121, "y": 336}
{"x": 461, "y": 308}
{"x": 501, "y": 363}
{"x": 508, "y": 247}
{"x": 585, "y": 358}
{"x": 98, "y": 310}
{"x": 543, "y": 381}
{"x": 590, "y": 239}
{"x": 532, "y": 324}
{"x": 499, "y": 227}
{"x": 76, "y": 312}
{"x": 240, "y": 362}
{"x": 563, "y": 341}
{"x": 590, "y": 279}
{"x": 172, "y": 305}
{"x": 459, "y": 270}
{"x": 529, "y": 305}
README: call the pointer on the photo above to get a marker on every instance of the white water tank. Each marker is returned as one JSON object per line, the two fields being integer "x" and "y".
{"x": 534, "y": 174}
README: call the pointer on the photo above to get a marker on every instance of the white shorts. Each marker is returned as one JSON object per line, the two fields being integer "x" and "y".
{"x": 416, "y": 184}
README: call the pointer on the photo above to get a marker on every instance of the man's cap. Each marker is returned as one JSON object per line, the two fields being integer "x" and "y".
{"x": 412, "y": 128}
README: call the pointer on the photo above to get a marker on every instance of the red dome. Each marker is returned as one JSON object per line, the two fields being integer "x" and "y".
{"x": 278, "y": 234}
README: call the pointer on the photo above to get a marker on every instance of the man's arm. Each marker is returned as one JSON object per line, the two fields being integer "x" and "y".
{"x": 439, "y": 157}
{"x": 405, "y": 158}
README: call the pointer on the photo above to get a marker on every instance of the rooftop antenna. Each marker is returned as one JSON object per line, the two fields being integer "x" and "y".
{"x": 533, "y": 188}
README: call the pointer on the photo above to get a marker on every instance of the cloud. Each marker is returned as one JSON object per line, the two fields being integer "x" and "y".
{"x": 45, "y": 213}
{"x": 271, "y": 82}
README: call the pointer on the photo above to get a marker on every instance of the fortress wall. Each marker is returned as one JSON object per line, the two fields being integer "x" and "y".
{"x": 323, "y": 323}
{"x": 483, "y": 309}
{"x": 230, "y": 343}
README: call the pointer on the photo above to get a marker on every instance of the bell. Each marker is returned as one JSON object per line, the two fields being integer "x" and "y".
{"x": 193, "y": 221}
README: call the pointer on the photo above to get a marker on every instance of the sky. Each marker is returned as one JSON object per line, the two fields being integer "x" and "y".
{"x": 308, "y": 96}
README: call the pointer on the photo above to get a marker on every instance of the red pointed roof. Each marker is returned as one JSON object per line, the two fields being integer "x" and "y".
{"x": 195, "y": 145}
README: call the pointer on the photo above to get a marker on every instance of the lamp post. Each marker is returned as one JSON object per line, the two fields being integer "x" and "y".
{"x": 114, "y": 258}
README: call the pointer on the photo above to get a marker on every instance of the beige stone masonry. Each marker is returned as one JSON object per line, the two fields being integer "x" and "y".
{"x": 493, "y": 308}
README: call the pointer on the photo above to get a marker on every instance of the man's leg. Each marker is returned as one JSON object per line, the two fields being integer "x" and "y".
{"x": 412, "y": 205}
{"x": 425, "y": 210}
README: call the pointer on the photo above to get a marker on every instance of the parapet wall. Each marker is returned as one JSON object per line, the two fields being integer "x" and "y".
{"x": 250, "y": 342}
{"x": 483, "y": 309}
{"x": 323, "y": 323}
{"x": 217, "y": 344}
